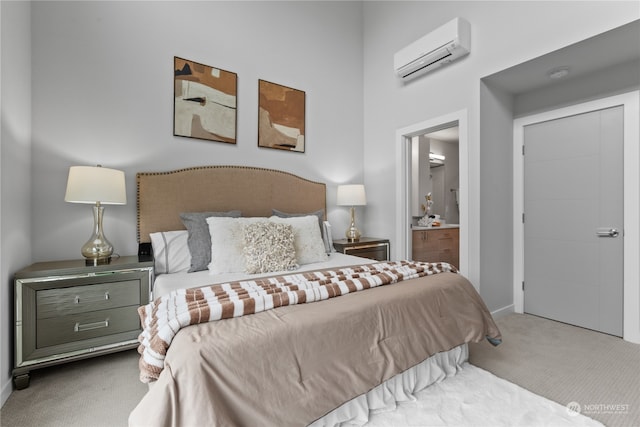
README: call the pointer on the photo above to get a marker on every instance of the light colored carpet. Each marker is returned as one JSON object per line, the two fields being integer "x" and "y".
{"x": 97, "y": 392}
{"x": 557, "y": 361}
{"x": 567, "y": 364}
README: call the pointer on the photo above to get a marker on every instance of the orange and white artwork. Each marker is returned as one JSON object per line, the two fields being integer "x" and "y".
{"x": 281, "y": 116}
{"x": 204, "y": 102}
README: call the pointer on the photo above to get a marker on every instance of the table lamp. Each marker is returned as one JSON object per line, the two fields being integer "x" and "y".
{"x": 352, "y": 195}
{"x": 99, "y": 186}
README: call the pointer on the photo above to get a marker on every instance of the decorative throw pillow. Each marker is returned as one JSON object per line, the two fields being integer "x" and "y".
{"x": 268, "y": 247}
{"x": 328, "y": 242}
{"x": 199, "y": 237}
{"x": 319, "y": 213}
{"x": 170, "y": 251}
{"x": 307, "y": 239}
{"x": 227, "y": 243}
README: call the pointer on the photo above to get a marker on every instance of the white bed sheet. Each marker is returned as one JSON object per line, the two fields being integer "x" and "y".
{"x": 165, "y": 283}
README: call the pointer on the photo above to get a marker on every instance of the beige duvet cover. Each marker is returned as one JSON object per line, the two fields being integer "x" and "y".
{"x": 291, "y": 365}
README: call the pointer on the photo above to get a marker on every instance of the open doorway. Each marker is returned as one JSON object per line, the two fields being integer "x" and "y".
{"x": 405, "y": 194}
{"x": 435, "y": 176}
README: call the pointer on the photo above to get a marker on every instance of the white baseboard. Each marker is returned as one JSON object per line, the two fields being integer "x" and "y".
{"x": 503, "y": 311}
{"x": 7, "y": 389}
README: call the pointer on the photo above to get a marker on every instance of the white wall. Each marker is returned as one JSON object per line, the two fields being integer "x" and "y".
{"x": 503, "y": 34}
{"x": 92, "y": 82}
{"x": 15, "y": 169}
{"x": 103, "y": 93}
{"x": 496, "y": 190}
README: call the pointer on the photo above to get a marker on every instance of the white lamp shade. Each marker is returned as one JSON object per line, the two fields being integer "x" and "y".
{"x": 351, "y": 195}
{"x": 91, "y": 184}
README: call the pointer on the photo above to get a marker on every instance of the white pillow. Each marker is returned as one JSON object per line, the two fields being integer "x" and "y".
{"x": 171, "y": 251}
{"x": 227, "y": 243}
{"x": 307, "y": 238}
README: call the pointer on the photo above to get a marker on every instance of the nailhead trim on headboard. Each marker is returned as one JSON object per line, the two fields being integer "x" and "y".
{"x": 253, "y": 190}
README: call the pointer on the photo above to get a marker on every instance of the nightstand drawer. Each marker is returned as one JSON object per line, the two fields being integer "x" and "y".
{"x": 81, "y": 299}
{"x": 366, "y": 247}
{"x": 378, "y": 252}
{"x": 76, "y": 327}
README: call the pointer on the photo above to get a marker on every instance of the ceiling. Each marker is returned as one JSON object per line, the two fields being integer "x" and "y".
{"x": 446, "y": 135}
{"x": 613, "y": 47}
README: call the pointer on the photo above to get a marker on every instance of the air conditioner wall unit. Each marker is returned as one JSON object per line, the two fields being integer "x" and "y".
{"x": 440, "y": 47}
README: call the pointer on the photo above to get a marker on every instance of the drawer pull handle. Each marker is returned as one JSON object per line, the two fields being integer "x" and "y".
{"x": 88, "y": 326}
{"x": 76, "y": 300}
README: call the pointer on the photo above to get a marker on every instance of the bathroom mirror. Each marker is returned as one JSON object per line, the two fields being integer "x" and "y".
{"x": 435, "y": 170}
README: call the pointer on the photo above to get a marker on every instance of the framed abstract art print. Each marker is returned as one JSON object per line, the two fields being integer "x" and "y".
{"x": 204, "y": 102}
{"x": 281, "y": 117}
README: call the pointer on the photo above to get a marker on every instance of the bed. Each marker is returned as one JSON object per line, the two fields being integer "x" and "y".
{"x": 311, "y": 336}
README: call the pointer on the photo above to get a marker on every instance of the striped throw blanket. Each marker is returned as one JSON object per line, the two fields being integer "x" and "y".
{"x": 164, "y": 317}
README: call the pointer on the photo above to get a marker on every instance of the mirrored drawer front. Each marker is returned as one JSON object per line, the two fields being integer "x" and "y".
{"x": 65, "y": 329}
{"x": 378, "y": 253}
{"x": 81, "y": 299}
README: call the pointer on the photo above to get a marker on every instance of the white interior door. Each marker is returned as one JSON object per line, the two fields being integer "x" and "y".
{"x": 573, "y": 223}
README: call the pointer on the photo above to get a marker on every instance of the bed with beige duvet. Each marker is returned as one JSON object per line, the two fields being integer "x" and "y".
{"x": 270, "y": 327}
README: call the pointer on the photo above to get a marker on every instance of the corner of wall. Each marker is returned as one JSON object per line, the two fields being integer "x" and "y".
{"x": 15, "y": 170}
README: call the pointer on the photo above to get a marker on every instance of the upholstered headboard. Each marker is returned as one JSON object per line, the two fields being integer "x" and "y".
{"x": 162, "y": 196}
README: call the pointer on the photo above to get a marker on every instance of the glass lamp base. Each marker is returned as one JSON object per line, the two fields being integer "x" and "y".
{"x": 98, "y": 249}
{"x": 353, "y": 234}
{"x": 96, "y": 261}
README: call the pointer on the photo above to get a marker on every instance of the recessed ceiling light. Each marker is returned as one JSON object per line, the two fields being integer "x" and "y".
{"x": 558, "y": 73}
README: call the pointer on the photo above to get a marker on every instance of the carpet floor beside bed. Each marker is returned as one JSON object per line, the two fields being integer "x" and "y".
{"x": 569, "y": 363}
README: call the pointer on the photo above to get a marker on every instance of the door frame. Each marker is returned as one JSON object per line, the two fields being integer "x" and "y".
{"x": 631, "y": 209}
{"x": 403, "y": 179}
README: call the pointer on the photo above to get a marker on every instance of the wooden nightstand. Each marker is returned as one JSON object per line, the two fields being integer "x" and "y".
{"x": 65, "y": 311}
{"x": 366, "y": 247}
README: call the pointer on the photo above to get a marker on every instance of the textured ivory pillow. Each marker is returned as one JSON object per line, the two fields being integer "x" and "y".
{"x": 307, "y": 239}
{"x": 227, "y": 243}
{"x": 170, "y": 251}
{"x": 268, "y": 247}
{"x": 199, "y": 237}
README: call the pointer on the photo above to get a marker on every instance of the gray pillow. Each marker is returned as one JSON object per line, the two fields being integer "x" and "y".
{"x": 319, "y": 213}
{"x": 199, "y": 240}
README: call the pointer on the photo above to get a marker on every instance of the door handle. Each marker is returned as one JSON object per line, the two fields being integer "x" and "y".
{"x": 607, "y": 232}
